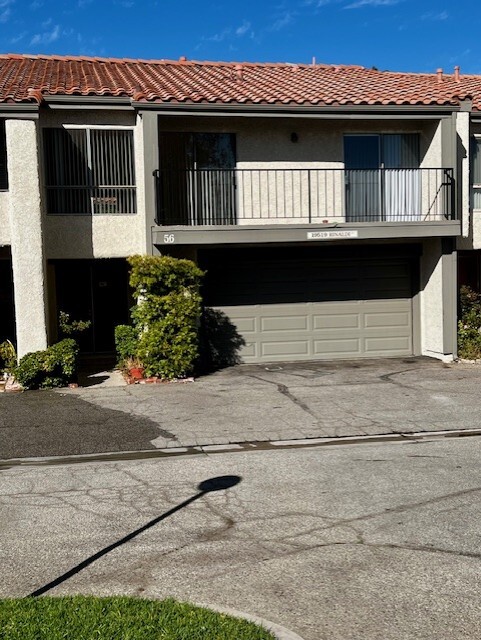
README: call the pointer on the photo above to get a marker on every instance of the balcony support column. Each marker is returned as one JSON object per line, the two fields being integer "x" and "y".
{"x": 151, "y": 164}
{"x": 25, "y": 217}
{"x": 438, "y": 299}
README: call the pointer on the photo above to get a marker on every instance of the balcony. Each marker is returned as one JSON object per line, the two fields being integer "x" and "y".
{"x": 303, "y": 196}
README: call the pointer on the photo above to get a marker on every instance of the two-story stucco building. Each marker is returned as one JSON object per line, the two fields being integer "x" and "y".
{"x": 327, "y": 203}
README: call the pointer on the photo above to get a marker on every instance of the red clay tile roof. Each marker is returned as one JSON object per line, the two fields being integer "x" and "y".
{"x": 27, "y": 78}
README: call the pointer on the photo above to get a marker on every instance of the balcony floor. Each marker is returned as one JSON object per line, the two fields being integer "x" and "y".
{"x": 253, "y": 234}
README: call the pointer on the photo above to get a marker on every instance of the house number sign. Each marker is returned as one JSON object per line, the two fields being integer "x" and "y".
{"x": 169, "y": 238}
{"x": 331, "y": 234}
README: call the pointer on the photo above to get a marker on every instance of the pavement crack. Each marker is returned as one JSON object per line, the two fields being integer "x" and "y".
{"x": 284, "y": 390}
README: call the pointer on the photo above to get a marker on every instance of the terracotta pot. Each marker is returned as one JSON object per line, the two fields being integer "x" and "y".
{"x": 137, "y": 373}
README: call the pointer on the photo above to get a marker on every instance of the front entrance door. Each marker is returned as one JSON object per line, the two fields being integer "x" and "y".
{"x": 382, "y": 177}
{"x": 95, "y": 290}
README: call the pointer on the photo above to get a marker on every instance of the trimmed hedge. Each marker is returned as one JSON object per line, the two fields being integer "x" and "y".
{"x": 54, "y": 367}
{"x": 126, "y": 342}
{"x": 167, "y": 314}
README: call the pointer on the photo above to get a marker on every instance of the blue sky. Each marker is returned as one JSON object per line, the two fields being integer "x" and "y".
{"x": 399, "y": 35}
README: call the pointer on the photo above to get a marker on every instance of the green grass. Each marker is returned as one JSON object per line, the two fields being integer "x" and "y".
{"x": 119, "y": 618}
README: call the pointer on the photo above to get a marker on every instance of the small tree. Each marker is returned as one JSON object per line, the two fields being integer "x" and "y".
{"x": 8, "y": 358}
{"x": 167, "y": 314}
{"x": 469, "y": 325}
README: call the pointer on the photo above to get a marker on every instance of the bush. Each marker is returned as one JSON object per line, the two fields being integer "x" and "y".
{"x": 469, "y": 325}
{"x": 8, "y": 357}
{"x": 54, "y": 367}
{"x": 69, "y": 327}
{"x": 167, "y": 314}
{"x": 126, "y": 343}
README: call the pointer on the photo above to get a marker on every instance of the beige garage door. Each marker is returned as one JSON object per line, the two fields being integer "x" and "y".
{"x": 311, "y": 309}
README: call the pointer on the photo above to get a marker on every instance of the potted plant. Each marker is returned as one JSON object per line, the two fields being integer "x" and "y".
{"x": 134, "y": 368}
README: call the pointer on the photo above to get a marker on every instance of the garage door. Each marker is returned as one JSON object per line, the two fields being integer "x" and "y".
{"x": 291, "y": 309}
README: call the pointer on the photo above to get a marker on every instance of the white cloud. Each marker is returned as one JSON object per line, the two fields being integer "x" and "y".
{"x": 219, "y": 37}
{"x": 18, "y": 37}
{"x": 442, "y": 15}
{"x": 371, "y": 3}
{"x": 230, "y": 32}
{"x": 282, "y": 21}
{"x": 243, "y": 29}
{"x": 47, "y": 36}
{"x": 5, "y": 11}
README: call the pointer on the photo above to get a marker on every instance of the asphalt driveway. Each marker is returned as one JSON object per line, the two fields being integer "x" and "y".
{"x": 360, "y": 542}
{"x": 246, "y": 404}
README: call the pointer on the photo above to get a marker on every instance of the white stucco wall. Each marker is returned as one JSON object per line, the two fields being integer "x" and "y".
{"x": 25, "y": 218}
{"x": 100, "y": 235}
{"x": 431, "y": 301}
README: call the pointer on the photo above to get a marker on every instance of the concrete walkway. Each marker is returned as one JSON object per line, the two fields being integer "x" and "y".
{"x": 245, "y": 404}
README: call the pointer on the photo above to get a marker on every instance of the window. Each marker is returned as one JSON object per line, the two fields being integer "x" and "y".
{"x": 90, "y": 171}
{"x": 476, "y": 173}
{"x": 3, "y": 158}
{"x": 196, "y": 180}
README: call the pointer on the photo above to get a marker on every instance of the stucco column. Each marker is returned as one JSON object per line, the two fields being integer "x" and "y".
{"x": 25, "y": 217}
{"x": 438, "y": 299}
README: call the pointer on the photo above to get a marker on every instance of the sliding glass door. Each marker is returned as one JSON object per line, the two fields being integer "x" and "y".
{"x": 382, "y": 177}
{"x": 197, "y": 178}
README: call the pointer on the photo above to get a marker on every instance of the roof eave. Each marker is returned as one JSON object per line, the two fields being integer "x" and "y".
{"x": 292, "y": 109}
{"x": 88, "y": 102}
{"x": 19, "y": 110}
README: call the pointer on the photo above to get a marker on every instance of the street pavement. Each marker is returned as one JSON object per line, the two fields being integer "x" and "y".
{"x": 249, "y": 403}
{"x": 365, "y": 541}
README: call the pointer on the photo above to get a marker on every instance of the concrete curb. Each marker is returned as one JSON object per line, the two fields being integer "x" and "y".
{"x": 280, "y": 632}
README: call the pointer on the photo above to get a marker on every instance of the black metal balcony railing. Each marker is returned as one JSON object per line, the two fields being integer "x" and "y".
{"x": 298, "y": 196}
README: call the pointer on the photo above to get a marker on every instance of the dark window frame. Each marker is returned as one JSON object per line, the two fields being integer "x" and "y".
{"x": 3, "y": 157}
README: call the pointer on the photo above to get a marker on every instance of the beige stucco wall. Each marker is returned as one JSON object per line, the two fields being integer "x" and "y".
{"x": 265, "y": 144}
{"x": 4, "y": 221}
{"x": 432, "y": 301}
{"x": 25, "y": 218}
{"x": 99, "y": 235}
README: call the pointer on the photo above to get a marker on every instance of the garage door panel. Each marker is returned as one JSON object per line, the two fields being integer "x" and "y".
{"x": 286, "y": 323}
{"x": 250, "y": 351}
{"x": 243, "y": 325}
{"x": 285, "y": 349}
{"x": 387, "y": 345}
{"x": 336, "y": 321}
{"x": 386, "y": 319}
{"x": 343, "y": 346}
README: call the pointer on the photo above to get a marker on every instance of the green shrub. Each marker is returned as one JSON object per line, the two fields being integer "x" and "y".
{"x": 54, "y": 367}
{"x": 167, "y": 314}
{"x": 126, "y": 342}
{"x": 469, "y": 325}
{"x": 8, "y": 357}
{"x": 69, "y": 327}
